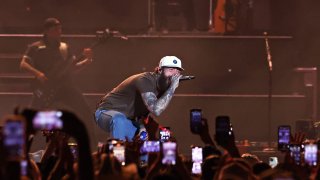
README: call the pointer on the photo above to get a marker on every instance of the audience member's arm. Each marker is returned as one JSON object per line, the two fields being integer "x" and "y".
{"x": 205, "y": 134}
{"x": 65, "y": 161}
{"x": 132, "y": 151}
{"x": 182, "y": 170}
{"x": 154, "y": 168}
{"x": 229, "y": 144}
{"x": 303, "y": 171}
{"x": 152, "y": 128}
{"x": 36, "y": 174}
{"x": 88, "y": 55}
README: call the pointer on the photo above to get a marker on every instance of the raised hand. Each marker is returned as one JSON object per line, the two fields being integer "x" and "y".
{"x": 205, "y": 134}
{"x": 152, "y": 127}
{"x": 175, "y": 80}
{"x": 88, "y": 53}
{"x": 41, "y": 77}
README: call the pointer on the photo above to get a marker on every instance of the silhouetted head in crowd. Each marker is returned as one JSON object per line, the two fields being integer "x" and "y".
{"x": 210, "y": 166}
{"x": 236, "y": 170}
{"x": 109, "y": 165}
{"x": 278, "y": 174}
{"x": 251, "y": 159}
{"x": 210, "y": 150}
{"x": 260, "y": 167}
{"x": 165, "y": 176}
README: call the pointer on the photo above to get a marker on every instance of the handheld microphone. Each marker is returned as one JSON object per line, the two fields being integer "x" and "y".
{"x": 183, "y": 78}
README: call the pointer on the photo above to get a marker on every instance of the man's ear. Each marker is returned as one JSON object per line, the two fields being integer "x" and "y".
{"x": 158, "y": 70}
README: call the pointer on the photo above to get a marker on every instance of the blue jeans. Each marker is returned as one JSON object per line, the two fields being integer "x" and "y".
{"x": 117, "y": 124}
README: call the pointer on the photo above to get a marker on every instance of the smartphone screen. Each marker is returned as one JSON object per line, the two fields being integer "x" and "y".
{"x": 74, "y": 150}
{"x": 164, "y": 133}
{"x": 150, "y": 147}
{"x": 119, "y": 153}
{"x": 310, "y": 154}
{"x": 196, "y": 168}
{"x": 283, "y": 137}
{"x": 195, "y": 120}
{"x": 14, "y": 139}
{"x": 23, "y": 168}
{"x": 273, "y": 161}
{"x": 196, "y": 153}
{"x": 169, "y": 153}
{"x": 47, "y": 120}
{"x": 223, "y": 129}
{"x": 295, "y": 152}
{"x": 100, "y": 147}
{"x": 110, "y": 145}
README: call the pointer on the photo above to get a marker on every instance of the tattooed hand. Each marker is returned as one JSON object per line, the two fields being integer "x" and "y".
{"x": 175, "y": 80}
{"x": 157, "y": 105}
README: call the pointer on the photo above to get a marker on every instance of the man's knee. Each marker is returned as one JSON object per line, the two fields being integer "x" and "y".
{"x": 118, "y": 120}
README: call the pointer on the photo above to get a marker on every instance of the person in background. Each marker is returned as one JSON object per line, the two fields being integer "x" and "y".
{"x": 53, "y": 65}
{"x": 162, "y": 12}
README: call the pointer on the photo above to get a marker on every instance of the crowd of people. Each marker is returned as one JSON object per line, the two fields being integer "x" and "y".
{"x": 68, "y": 156}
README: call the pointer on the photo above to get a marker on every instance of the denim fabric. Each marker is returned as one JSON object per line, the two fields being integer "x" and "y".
{"x": 116, "y": 124}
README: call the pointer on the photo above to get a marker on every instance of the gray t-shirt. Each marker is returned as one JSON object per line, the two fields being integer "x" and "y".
{"x": 126, "y": 97}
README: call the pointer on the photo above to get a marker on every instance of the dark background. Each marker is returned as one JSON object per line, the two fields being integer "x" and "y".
{"x": 78, "y": 16}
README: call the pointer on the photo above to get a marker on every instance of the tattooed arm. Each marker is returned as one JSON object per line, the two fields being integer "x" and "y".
{"x": 157, "y": 106}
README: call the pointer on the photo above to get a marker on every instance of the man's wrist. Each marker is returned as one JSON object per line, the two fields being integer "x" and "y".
{"x": 38, "y": 74}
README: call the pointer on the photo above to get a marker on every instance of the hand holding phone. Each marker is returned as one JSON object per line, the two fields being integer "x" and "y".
{"x": 196, "y": 153}
{"x": 196, "y": 120}
{"x": 119, "y": 153}
{"x": 74, "y": 150}
{"x": 169, "y": 153}
{"x": 284, "y": 132}
{"x": 164, "y": 133}
{"x": 295, "y": 153}
{"x": 14, "y": 138}
{"x": 110, "y": 145}
{"x": 310, "y": 154}
{"x": 273, "y": 161}
{"x": 150, "y": 147}
{"x": 47, "y": 120}
{"x": 224, "y": 131}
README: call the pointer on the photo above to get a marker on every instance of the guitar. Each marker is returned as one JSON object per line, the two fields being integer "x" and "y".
{"x": 45, "y": 93}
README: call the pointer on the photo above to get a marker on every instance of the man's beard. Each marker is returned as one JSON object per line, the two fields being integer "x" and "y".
{"x": 163, "y": 83}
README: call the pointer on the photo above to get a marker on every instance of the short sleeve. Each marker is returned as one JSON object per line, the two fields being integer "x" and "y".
{"x": 29, "y": 53}
{"x": 70, "y": 52}
{"x": 65, "y": 51}
{"x": 145, "y": 84}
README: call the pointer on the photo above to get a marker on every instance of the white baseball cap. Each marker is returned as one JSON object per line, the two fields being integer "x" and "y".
{"x": 170, "y": 61}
